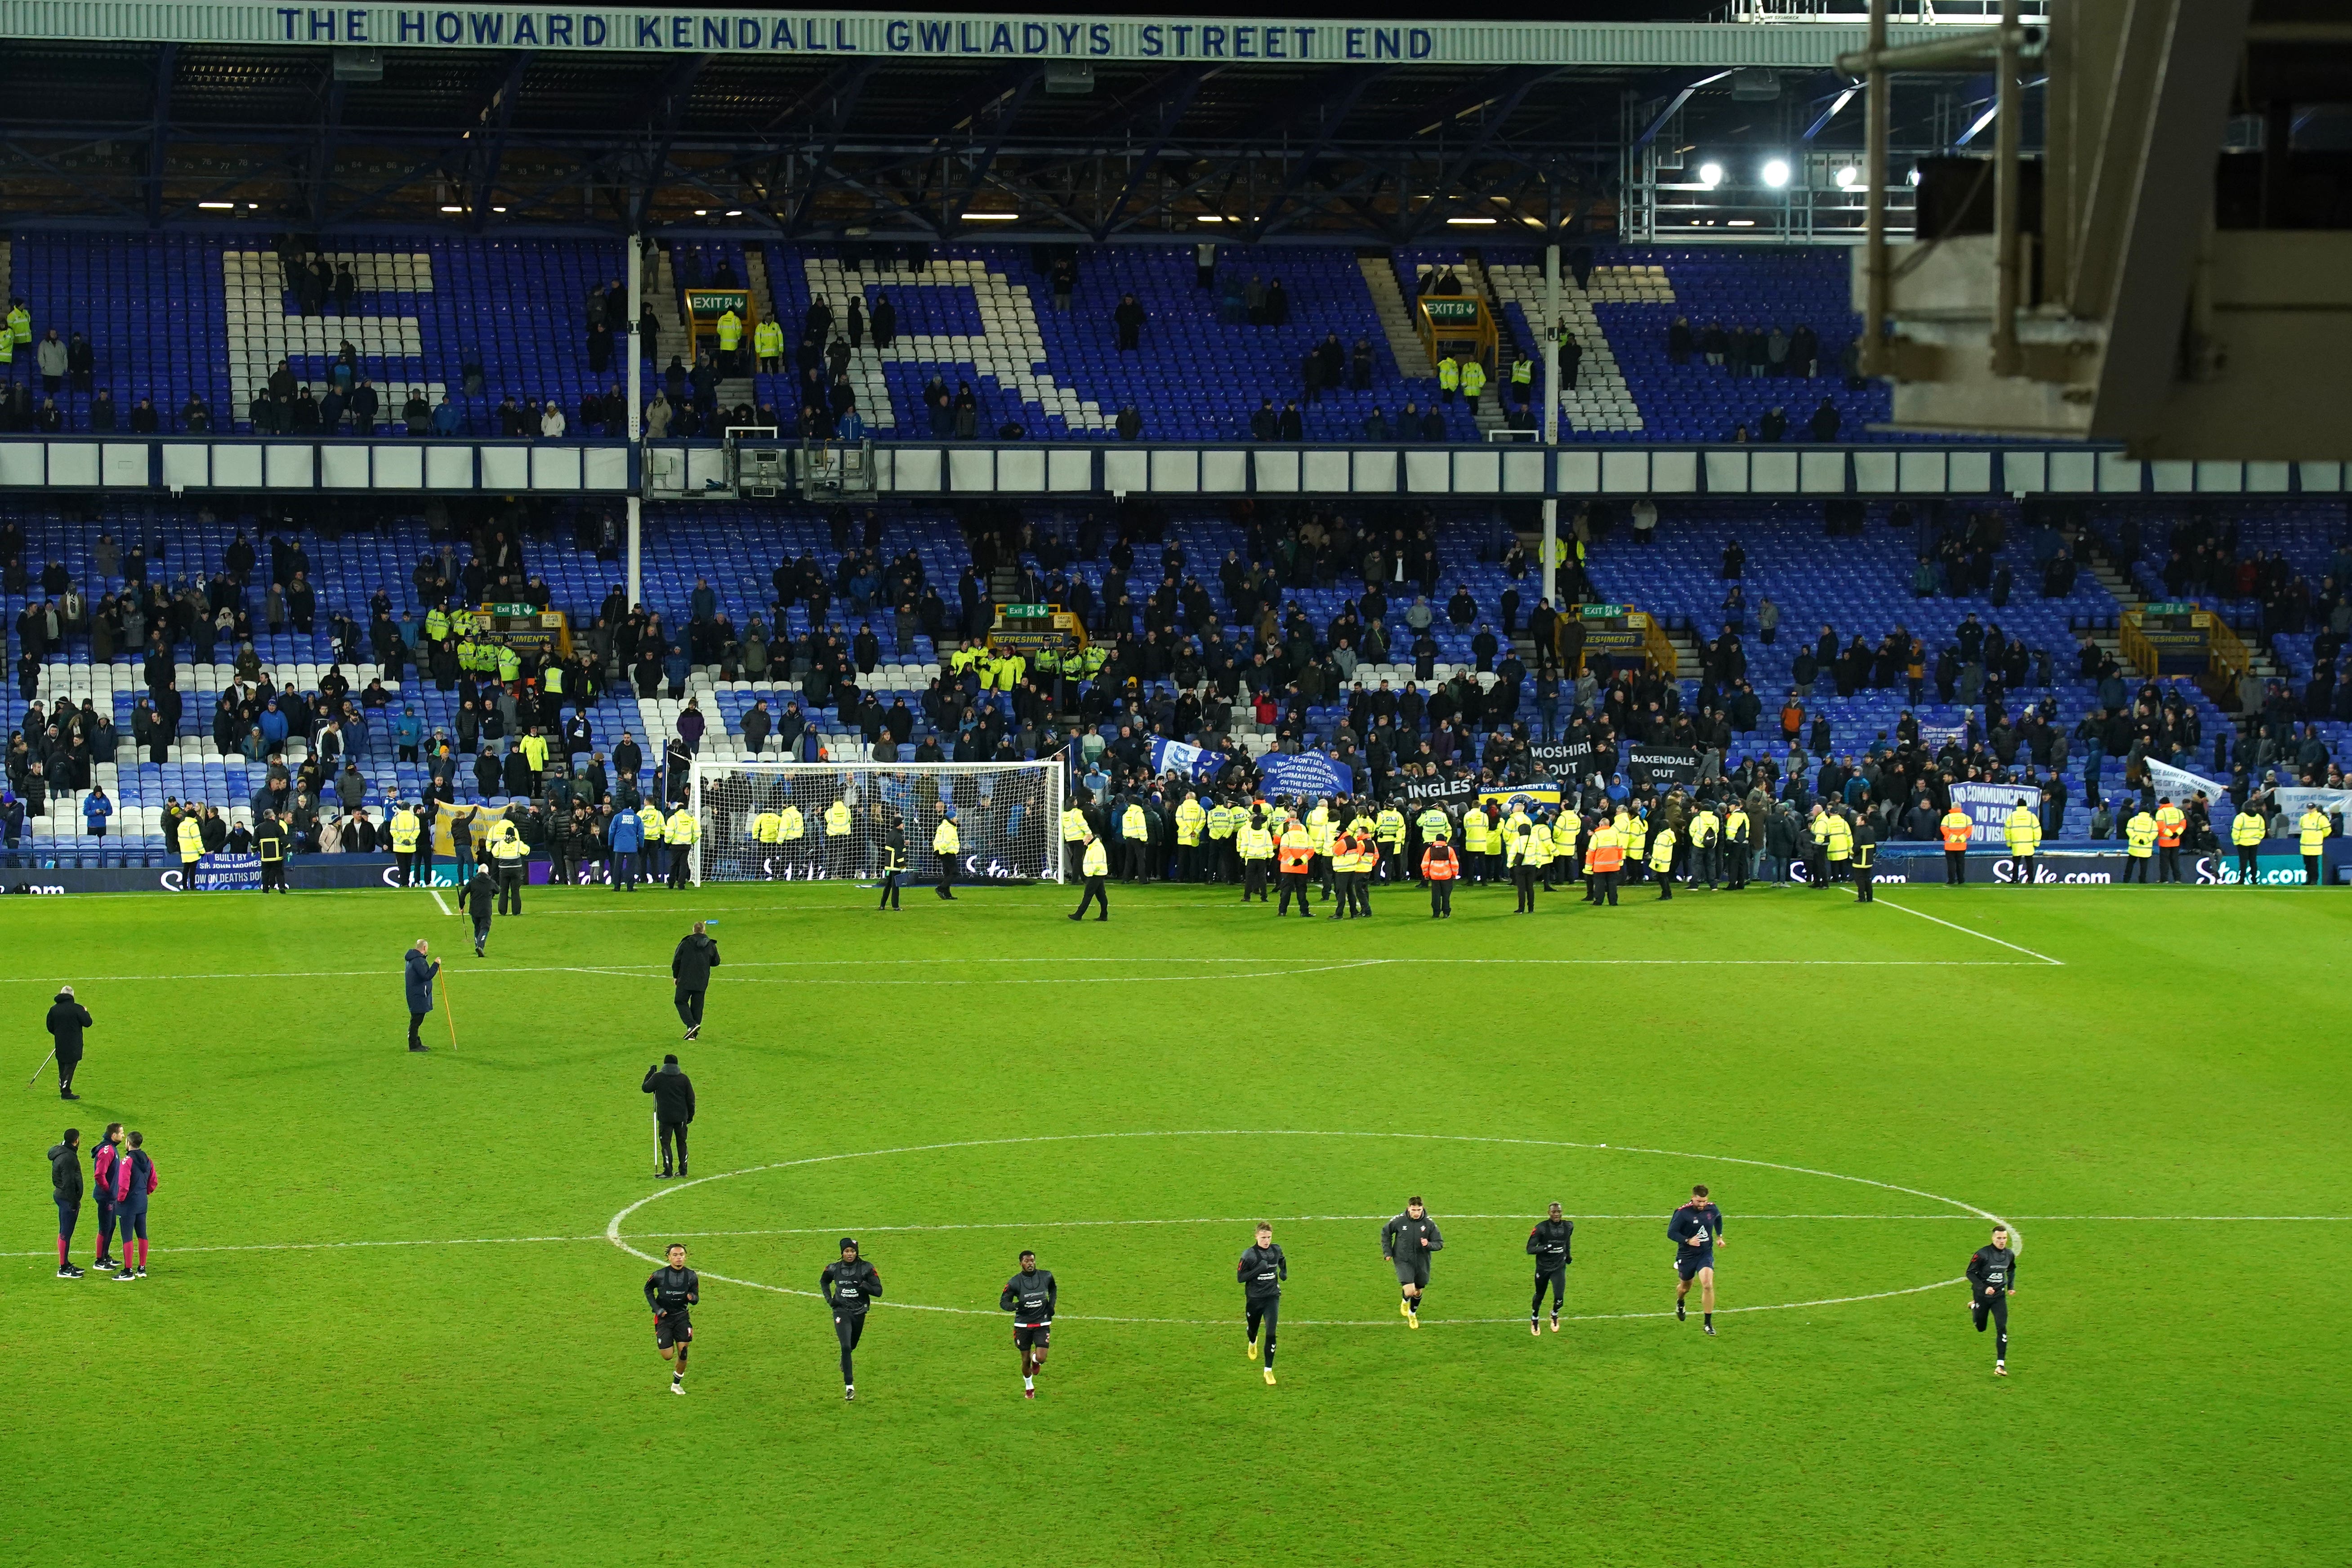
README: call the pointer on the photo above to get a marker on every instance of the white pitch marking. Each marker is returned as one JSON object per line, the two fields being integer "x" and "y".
{"x": 1278, "y": 1219}
{"x": 613, "y": 1226}
{"x": 445, "y": 907}
{"x": 1964, "y": 930}
{"x": 631, "y": 970}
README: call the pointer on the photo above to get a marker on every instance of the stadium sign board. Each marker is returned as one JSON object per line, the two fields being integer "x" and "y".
{"x": 1164, "y": 37}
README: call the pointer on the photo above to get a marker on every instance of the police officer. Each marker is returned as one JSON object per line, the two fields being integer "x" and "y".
{"x": 2022, "y": 832}
{"x": 2247, "y": 831}
{"x": 191, "y": 849}
{"x": 270, "y": 842}
{"x": 2139, "y": 847}
{"x": 1135, "y": 840}
{"x": 1739, "y": 845}
{"x": 1388, "y": 828}
{"x": 894, "y": 861}
{"x": 1190, "y": 821}
{"x": 1096, "y": 862}
{"x": 682, "y": 828}
{"x": 2312, "y": 829}
{"x": 405, "y": 829}
{"x": 511, "y": 858}
{"x": 1256, "y": 842}
{"x": 1662, "y": 860}
{"x": 947, "y": 844}
{"x": 836, "y": 838}
{"x": 1075, "y": 831}
{"x": 1865, "y": 859}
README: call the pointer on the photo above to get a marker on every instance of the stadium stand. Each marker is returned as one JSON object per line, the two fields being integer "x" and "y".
{"x": 177, "y": 316}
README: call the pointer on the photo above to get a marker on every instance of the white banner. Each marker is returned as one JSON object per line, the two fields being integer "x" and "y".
{"x": 2180, "y": 785}
{"x": 975, "y": 34}
{"x": 2296, "y": 799}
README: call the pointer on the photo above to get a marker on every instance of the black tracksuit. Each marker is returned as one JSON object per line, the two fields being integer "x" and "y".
{"x": 65, "y": 1184}
{"x": 1261, "y": 1271}
{"x": 1993, "y": 1274}
{"x": 1548, "y": 1243}
{"x": 671, "y": 1292}
{"x": 1401, "y": 1244}
{"x": 673, "y": 1094}
{"x": 849, "y": 1288}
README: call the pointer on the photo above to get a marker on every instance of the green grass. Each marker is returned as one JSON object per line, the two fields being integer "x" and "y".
{"x": 2178, "y": 1394}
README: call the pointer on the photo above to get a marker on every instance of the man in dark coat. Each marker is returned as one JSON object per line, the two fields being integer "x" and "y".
{"x": 673, "y": 1094}
{"x": 419, "y": 980}
{"x": 690, "y": 967}
{"x": 67, "y": 1019}
{"x": 475, "y": 898}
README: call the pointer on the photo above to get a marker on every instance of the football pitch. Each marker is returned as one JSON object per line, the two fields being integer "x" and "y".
{"x": 395, "y": 1309}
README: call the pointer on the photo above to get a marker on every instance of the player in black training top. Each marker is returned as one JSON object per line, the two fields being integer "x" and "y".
{"x": 1407, "y": 1241}
{"x": 1548, "y": 1245}
{"x": 1263, "y": 1269}
{"x": 1992, "y": 1280}
{"x": 669, "y": 1291}
{"x": 1029, "y": 1296}
{"x": 1696, "y": 1230}
{"x": 849, "y": 1286}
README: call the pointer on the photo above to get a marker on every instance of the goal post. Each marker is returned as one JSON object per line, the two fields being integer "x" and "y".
{"x": 1007, "y": 816}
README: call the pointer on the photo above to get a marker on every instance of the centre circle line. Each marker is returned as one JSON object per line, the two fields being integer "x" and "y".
{"x": 614, "y": 1234}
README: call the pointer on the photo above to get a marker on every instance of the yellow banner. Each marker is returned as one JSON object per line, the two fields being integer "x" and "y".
{"x": 477, "y": 824}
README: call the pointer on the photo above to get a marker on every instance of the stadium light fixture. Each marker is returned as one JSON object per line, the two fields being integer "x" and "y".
{"x": 1210, "y": 217}
{"x": 1740, "y": 222}
{"x": 218, "y": 206}
{"x": 702, "y": 212}
{"x": 1848, "y": 176}
{"x": 1470, "y": 221}
{"x": 1710, "y": 175}
{"x": 991, "y": 217}
{"x": 734, "y": 212}
{"x": 447, "y": 208}
{"x": 1776, "y": 173}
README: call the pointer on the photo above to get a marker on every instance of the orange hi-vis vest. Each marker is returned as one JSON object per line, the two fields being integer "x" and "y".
{"x": 1604, "y": 852}
{"x": 1437, "y": 862}
{"x": 2169, "y": 823}
{"x": 1297, "y": 852}
{"x": 1956, "y": 828}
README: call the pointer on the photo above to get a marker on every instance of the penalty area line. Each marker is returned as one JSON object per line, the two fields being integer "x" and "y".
{"x": 1981, "y": 936}
{"x": 445, "y": 907}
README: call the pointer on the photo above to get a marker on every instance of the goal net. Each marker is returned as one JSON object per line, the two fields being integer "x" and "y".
{"x": 1007, "y": 817}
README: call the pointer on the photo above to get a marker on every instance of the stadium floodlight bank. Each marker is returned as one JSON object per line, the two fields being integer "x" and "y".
{"x": 1007, "y": 816}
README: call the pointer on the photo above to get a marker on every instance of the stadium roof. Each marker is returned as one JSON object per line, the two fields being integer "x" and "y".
{"x": 162, "y": 115}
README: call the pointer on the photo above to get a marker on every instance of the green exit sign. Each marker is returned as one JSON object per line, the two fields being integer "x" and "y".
{"x": 1027, "y": 612}
{"x": 1451, "y": 310}
{"x": 1601, "y": 612}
